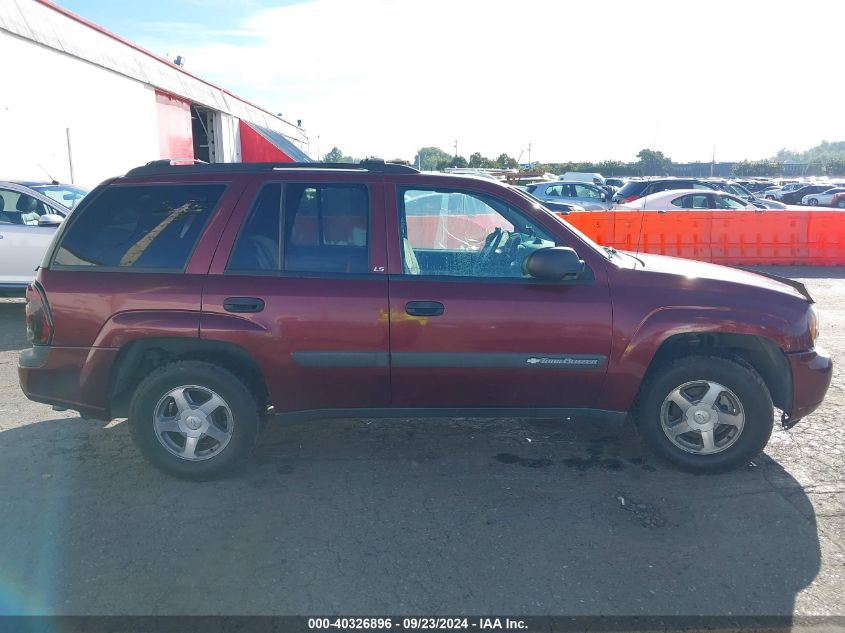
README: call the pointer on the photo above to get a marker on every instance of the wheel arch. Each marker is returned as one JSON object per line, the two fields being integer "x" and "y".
{"x": 139, "y": 357}
{"x": 755, "y": 351}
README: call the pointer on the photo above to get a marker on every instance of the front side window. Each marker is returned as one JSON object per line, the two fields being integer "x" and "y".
{"x": 728, "y": 202}
{"x": 139, "y": 226}
{"x": 476, "y": 235}
{"x": 691, "y": 201}
{"x": 582, "y": 191}
{"x": 20, "y": 208}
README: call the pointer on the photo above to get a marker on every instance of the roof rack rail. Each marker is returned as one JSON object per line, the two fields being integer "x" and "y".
{"x": 167, "y": 166}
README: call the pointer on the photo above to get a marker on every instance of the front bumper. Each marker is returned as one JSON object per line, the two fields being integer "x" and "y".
{"x": 811, "y": 374}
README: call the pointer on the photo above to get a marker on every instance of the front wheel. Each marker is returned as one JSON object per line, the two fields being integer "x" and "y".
{"x": 813, "y": 202}
{"x": 194, "y": 420}
{"x": 705, "y": 413}
{"x": 841, "y": 204}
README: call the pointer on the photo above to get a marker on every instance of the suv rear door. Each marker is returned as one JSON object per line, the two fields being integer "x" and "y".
{"x": 467, "y": 329}
{"x": 299, "y": 282}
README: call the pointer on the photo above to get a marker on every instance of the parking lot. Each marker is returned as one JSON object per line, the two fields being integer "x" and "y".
{"x": 425, "y": 517}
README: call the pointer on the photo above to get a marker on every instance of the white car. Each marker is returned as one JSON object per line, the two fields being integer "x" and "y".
{"x": 823, "y": 199}
{"x": 687, "y": 199}
{"x": 777, "y": 194}
{"x": 29, "y": 215}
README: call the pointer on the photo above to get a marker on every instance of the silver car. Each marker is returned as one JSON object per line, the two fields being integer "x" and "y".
{"x": 585, "y": 194}
{"x": 29, "y": 215}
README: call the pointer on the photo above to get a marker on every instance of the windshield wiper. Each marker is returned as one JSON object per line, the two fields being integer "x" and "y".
{"x": 612, "y": 251}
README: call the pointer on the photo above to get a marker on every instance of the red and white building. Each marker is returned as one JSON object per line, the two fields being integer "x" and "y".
{"x": 82, "y": 104}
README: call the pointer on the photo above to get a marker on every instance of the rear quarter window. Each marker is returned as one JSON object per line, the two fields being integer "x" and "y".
{"x": 139, "y": 226}
{"x": 631, "y": 189}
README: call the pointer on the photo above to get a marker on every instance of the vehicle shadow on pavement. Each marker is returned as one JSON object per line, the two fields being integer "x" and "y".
{"x": 12, "y": 326}
{"x": 397, "y": 516}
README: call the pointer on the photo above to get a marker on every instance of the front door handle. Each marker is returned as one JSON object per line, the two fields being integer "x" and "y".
{"x": 424, "y": 308}
{"x": 243, "y": 304}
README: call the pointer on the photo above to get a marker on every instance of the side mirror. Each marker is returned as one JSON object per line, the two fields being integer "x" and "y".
{"x": 604, "y": 197}
{"x": 554, "y": 264}
{"x": 50, "y": 219}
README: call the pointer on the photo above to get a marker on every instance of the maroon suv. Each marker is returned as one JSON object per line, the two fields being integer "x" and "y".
{"x": 199, "y": 300}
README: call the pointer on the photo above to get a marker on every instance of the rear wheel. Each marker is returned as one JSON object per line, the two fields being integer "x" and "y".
{"x": 841, "y": 204}
{"x": 705, "y": 413}
{"x": 194, "y": 420}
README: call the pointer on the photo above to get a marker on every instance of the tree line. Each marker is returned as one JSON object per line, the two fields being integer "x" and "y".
{"x": 826, "y": 159}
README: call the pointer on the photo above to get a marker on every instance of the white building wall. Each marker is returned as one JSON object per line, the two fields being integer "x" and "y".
{"x": 41, "y": 23}
{"x": 112, "y": 119}
{"x": 227, "y": 139}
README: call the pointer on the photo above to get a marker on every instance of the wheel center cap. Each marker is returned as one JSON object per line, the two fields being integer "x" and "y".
{"x": 193, "y": 422}
{"x": 702, "y": 417}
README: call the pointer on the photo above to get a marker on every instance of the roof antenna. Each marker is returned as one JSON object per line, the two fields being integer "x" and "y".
{"x": 52, "y": 180}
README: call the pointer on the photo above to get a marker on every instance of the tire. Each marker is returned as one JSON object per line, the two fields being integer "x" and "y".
{"x": 841, "y": 204}
{"x": 742, "y": 395}
{"x": 170, "y": 405}
{"x": 813, "y": 202}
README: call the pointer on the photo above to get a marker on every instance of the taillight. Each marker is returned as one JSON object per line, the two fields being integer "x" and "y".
{"x": 629, "y": 199}
{"x": 39, "y": 324}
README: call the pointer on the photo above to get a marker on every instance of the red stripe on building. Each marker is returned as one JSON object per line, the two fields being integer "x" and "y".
{"x": 175, "y": 137}
{"x": 257, "y": 149}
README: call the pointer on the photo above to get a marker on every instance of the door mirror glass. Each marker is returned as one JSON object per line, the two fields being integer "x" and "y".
{"x": 554, "y": 264}
{"x": 50, "y": 219}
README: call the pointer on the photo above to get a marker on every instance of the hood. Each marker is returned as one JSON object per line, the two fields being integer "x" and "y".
{"x": 691, "y": 269}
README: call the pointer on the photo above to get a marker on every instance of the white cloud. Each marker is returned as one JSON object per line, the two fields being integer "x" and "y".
{"x": 579, "y": 81}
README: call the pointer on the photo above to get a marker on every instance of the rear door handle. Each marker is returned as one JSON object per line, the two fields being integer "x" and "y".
{"x": 424, "y": 308}
{"x": 243, "y": 304}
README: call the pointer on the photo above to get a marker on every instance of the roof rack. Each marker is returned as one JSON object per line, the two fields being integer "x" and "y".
{"x": 171, "y": 166}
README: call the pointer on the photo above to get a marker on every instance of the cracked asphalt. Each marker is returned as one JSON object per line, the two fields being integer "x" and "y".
{"x": 368, "y": 517}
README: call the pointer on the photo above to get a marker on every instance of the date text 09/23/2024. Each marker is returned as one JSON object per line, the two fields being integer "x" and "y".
{"x": 417, "y": 623}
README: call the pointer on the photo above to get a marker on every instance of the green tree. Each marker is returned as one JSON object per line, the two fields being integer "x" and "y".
{"x": 757, "y": 168}
{"x": 652, "y": 163}
{"x": 430, "y": 158}
{"x": 835, "y": 166}
{"x": 505, "y": 162}
{"x": 458, "y": 161}
{"x": 479, "y": 161}
{"x": 334, "y": 156}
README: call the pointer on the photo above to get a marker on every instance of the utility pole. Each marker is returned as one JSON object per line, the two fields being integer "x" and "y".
{"x": 713, "y": 162}
{"x": 69, "y": 154}
{"x": 456, "y": 148}
{"x": 529, "y": 155}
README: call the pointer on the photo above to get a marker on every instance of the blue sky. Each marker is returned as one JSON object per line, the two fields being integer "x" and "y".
{"x": 577, "y": 80}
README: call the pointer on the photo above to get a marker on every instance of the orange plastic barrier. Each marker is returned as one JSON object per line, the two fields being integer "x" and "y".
{"x": 723, "y": 237}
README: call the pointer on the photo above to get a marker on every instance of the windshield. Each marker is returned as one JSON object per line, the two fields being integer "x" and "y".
{"x": 66, "y": 195}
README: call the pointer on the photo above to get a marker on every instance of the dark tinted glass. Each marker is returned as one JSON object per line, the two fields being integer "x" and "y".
{"x": 257, "y": 247}
{"x": 326, "y": 228}
{"x": 633, "y": 188}
{"x": 147, "y": 226}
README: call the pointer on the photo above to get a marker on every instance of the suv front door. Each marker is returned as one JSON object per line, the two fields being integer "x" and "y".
{"x": 467, "y": 328}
